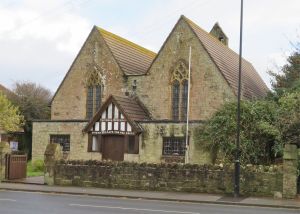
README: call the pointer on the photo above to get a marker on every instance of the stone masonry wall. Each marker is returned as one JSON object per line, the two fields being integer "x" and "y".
{"x": 78, "y": 140}
{"x": 70, "y": 99}
{"x": 290, "y": 170}
{"x": 209, "y": 89}
{"x": 150, "y": 148}
{"x": 151, "y": 142}
{"x": 255, "y": 180}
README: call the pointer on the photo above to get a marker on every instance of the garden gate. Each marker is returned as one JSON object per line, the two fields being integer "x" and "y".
{"x": 16, "y": 166}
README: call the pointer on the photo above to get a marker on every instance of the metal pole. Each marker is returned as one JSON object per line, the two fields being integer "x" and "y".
{"x": 237, "y": 152}
{"x": 188, "y": 111}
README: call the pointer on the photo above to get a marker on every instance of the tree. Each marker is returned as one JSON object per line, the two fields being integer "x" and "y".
{"x": 33, "y": 101}
{"x": 260, "y": 137}
{"x": 289, "y": 77}
{"x": 289, "y": 120}
{"x": 266, "y": 125}
{"x": 10, "y": 118}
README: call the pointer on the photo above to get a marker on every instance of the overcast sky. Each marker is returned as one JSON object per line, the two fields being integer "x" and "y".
{"x": 39, "y": 39}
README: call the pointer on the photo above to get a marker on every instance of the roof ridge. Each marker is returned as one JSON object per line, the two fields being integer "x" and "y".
{"x": 189, "y": 21}
{"x": 212, "y": 37}
{"x": 127, "y": 42}
{"x": 215, "y": 48}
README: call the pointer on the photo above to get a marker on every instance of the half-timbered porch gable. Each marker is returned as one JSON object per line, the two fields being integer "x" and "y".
{"x": 118, "y": 115}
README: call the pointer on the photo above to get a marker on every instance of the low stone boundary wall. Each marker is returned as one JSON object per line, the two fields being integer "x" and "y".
{"x": 255, "y": 180}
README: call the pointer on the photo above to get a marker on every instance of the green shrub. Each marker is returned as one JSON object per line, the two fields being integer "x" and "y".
{"x": 38, "y": 165}
{"x": 35, "y": 168}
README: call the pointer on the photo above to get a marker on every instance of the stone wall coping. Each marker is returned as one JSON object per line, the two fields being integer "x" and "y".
{"x": 247, "y": 168}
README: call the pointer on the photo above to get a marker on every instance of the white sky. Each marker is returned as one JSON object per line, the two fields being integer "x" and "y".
{"x": 39, "y": 39}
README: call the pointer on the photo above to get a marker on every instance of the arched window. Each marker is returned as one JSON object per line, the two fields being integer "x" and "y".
{"x": 94, "y": 92}
{"x": 184, "y": 98}
{"x": 93, "y": 101}
{"x": 175, "y": 100}
{"x": 179, "y": 82}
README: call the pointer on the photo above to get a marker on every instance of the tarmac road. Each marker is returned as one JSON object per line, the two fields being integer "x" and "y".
{"x": 41, "y": 203}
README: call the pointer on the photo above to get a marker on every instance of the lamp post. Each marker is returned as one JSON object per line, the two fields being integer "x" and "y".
{"x": 237, "y": 152}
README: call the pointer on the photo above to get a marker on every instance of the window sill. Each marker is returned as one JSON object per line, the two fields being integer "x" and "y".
{"x": 175, "y": 155}
{"x": 173, "y": 158}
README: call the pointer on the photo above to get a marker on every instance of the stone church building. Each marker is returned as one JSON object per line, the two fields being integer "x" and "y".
{"x": 120, "y": 101}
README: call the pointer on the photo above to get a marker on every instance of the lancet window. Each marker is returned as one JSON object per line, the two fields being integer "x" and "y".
{"x": 94, "y": 93}
{"x": 179, "y": 84}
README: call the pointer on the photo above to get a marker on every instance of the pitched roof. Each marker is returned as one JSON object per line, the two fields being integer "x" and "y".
{"x": 132, "y": 58}
{"x": 228, "y": 63}
{"x": 132, "y": 108}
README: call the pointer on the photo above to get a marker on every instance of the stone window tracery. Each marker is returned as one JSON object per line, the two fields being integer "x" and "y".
{"x": 180, "y": 72}
{"x": 94, "y": 87}
{"x": 179, "y": 84}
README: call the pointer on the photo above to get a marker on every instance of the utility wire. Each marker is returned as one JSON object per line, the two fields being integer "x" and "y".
{"x": 44, "y": 14}
{"x": 166, "y": 19}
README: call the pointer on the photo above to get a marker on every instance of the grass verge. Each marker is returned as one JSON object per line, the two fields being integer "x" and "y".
{"x": 35, "y": 168}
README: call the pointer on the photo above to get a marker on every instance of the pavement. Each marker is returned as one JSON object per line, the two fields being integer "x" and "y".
{"x": 29, "y": 186}
{"x": 38, "y": 180}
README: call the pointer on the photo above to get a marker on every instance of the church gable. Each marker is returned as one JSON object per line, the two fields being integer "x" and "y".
{"x": 164, "y": 88}
{"x": 91, "y": 78}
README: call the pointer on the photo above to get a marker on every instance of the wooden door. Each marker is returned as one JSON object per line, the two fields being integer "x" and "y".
{"x": 113, "y": 148}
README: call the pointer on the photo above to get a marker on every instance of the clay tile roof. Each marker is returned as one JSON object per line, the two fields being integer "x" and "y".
{"x": 228, "y": 63}
{"x": 132, "y": 108}
{"x": 132, "y": 58}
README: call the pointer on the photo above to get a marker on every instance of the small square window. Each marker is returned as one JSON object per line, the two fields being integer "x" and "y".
{"x": 174, "y": 146}
{"x": 62, "y": 140}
